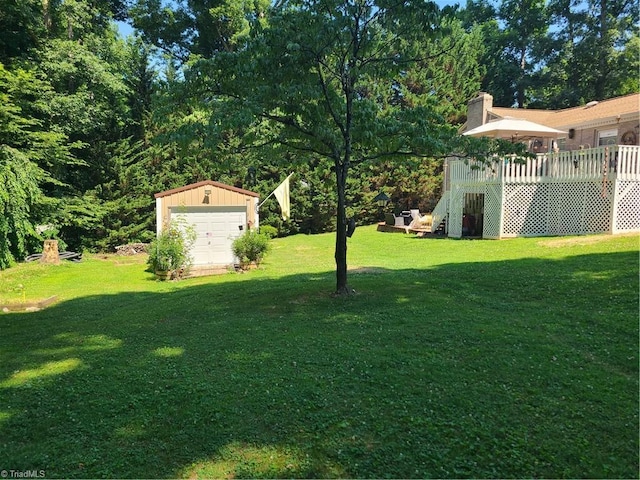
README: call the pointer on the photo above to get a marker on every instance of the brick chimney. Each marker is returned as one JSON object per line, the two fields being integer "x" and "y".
{"x": 477, "y": 110}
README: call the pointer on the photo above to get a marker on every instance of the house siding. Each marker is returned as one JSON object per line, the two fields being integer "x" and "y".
{"x": 586, "y": 121}
{"x": 588, "y": 137}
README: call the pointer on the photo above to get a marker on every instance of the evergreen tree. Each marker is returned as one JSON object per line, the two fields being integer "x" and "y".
{"x": 557, "y": 55}
{"x": 21, "y": 24}
{"x": 182, "y": 28}
{"x": 594, "y": 56}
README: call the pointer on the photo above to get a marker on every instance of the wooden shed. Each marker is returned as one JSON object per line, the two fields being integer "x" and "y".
{"x": 219, "y": 213}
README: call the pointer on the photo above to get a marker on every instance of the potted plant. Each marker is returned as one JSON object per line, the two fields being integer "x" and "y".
{"x": 169, "y": 255}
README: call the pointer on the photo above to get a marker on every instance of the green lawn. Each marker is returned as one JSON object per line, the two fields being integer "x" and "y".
{"x": 514, "y": 358}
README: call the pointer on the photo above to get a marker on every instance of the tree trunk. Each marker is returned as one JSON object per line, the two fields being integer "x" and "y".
{"x": 342, "y": 171}
{"x": 602, "y": 54}
{"x": 46, "y": 15}
{"x": 341, "y": 232}
{"x": 521, "y": 83}
{"x": 50, "y": 252}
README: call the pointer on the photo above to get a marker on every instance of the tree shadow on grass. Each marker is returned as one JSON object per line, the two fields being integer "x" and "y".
{"x": 489, "y": 369}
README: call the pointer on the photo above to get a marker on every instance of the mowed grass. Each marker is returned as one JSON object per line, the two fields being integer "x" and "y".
{"x": 514, "y": 358}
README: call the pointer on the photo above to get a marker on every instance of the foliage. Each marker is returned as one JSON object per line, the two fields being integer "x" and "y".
{"x": 21, "y": 27}
{"x": 556, "y": 54}
{"x": 331, "y": 85}
{"x": 124, "y": 369}
{"x": 171, "y": 250}
{"x": 83, "y": 99}
{"x": 87, "y": 103}
{"x": 20, "y": 179}
{"x": 250, "y": 247}
{"x": 454, "y": 71}
{"x": 269, "y": 231}
{"x": 101, "y": 124}
{"x": 28, "y": 152}
{"x": 196, "y": 27}
{"x": 591, "y": 56}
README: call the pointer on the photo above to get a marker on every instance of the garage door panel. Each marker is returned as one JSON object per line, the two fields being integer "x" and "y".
{"x": 216, "y": 228}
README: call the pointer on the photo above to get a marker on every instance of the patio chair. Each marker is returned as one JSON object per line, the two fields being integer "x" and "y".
{"x": 393, "y": 220}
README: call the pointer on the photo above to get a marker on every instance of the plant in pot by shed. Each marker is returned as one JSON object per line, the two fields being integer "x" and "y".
{"x": 250, "y": 248}
{"x": 169, "y": 255}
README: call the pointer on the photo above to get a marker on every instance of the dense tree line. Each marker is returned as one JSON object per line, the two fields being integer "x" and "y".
{"x": 93, "y": 124}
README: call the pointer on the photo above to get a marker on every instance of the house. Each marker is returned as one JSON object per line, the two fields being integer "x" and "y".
{"x": 219, "y": 213}
{"x": 586, "y": 180}
{"x": 609, "y": 122}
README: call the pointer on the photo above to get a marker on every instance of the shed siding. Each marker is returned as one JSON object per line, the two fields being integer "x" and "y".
{"x": 218, "y": 197}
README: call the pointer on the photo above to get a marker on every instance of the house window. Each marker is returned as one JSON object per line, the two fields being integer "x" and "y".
{"x": 608, "y": 137}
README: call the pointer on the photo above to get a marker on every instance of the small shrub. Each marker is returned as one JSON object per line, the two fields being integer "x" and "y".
{"x": 269, "y": 230}
{"x": 250, "y": 248}
{"x": 169, "y": 252}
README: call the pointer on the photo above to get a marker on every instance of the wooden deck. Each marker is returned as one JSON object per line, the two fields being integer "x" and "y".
{"x": 383, "y": 227}
{"x": 594, "y": 190}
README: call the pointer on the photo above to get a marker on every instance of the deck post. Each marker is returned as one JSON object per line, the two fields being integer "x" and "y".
{"x": 614, "y": 207}
{"x": 613, "y": 182}
{"x": 503, "y": 171}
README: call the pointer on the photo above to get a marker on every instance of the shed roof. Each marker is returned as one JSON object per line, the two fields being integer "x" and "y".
{"x": 627, "y": 105}
{"x": 204, "y": 183}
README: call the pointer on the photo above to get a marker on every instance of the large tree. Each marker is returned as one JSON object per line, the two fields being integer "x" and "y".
{"x": 29, "y": 152}
{"x": 182, "y": 28}
{"x": 559, "y": 53}
{"x": 22, "y": 28}
{"x": 514, "y": 41}
{"x": 84, "y": 62}
{"x": 326, "y": 77}
{"x": 593, "y": 52}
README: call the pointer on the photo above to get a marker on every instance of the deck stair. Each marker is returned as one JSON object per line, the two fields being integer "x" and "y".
{"x": 439, "y": 214}
{"x": 441, "y": 229}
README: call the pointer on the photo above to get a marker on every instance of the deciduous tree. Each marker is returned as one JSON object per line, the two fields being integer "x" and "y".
{"x": 326, "y": 77}
{"x": 28, "y": 152}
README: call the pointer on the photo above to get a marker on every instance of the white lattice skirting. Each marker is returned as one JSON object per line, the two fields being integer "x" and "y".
{"x": 552, "y": 208}
{"x": 492, "y": 208}
{"x": 556, "y": 209}
{"x": 627, "y": 212}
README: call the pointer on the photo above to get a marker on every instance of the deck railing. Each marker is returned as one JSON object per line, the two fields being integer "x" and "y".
{"x": 616, "y": 161}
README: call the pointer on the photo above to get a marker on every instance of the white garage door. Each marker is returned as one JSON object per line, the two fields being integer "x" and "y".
{"x": 216, "y": 228}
